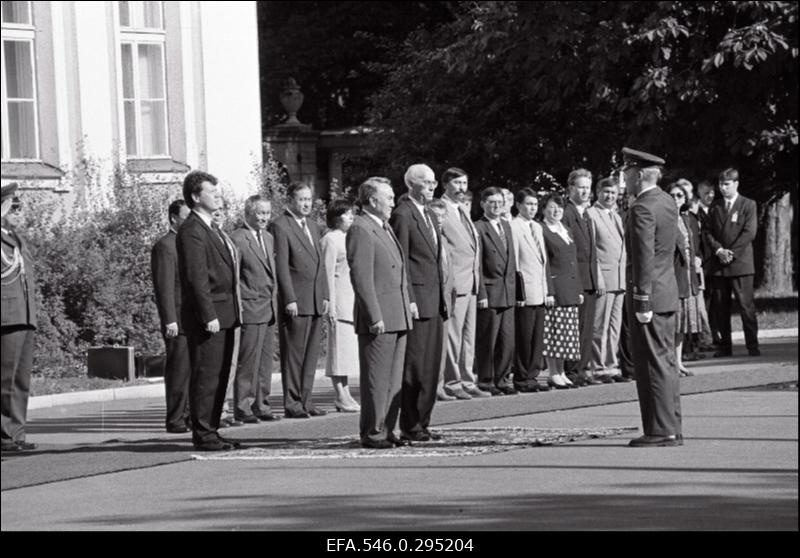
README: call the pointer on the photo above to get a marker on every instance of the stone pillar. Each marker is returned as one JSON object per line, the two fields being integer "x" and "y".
{"x": 293, "y": 143}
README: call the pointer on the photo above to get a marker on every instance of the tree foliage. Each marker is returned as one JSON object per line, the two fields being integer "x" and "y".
{"x": 335, "y": 51}
{"x": 508, "y": 89}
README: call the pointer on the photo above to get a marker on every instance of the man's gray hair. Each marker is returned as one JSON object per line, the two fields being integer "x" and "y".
{"x": 250, "y": 203}
{"x": 369, "y": 188}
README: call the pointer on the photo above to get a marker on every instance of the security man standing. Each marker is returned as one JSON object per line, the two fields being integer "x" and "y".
{"x": 652, "y": 224}
{"x": 18, "y": 324}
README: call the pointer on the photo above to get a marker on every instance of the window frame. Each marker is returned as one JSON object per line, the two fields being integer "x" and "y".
{"x": 136, "y": 36}
{"x": 23, "y": 33}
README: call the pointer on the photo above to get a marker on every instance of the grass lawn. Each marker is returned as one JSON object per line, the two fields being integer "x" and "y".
{"x": 42, "y": 385}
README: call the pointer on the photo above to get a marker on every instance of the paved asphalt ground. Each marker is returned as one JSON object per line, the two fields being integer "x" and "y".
{"x": 110, "y": 466}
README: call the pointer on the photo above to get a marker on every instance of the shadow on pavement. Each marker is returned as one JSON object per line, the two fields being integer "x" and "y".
{"x": 539, "y": 512}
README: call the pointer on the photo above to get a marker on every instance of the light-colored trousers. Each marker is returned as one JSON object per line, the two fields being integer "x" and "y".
{"x": 606, "y": 331}
{"x": 461, "y": 342}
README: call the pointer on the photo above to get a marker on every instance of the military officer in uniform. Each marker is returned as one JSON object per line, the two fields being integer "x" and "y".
{"x": 18, "y": 324}
{"x": 652, "y": 224}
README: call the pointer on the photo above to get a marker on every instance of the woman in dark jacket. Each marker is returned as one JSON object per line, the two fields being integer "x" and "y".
{"x": 687, "y": 318}
{"x": 561, "y": 331}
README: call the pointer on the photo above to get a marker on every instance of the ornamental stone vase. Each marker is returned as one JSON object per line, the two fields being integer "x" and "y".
{"x": 292, "y": 99}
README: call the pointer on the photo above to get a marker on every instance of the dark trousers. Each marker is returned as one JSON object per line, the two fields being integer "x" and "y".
{"x": 253, "y": 381}
{"x": 177, "y": 372}
{"x": 211, "y": 355}
{"x": 300, "y": 342}
{"x": 421, "y": 374}
{"x": 494, "y": 346}
{"x": 380, "y": 359}
{"x": 742, "y": 288}
{"x": 657, "y": 381}
{"x": 625, "y": 356}
{"x": 529, "y": 360}
{"x": 710, "y": 311}
{"x": 16, "y": 362}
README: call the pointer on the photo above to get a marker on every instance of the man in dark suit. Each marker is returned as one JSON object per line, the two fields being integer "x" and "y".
{"x": 576, "y": 219}
{"x": 730, "y": 230}
{"x": 209, "y": 308}
{"x": 652, "y": 293}
{"x": 421, "y": 245}
{"x": 253, "y": 378}
{"x": 494, "y": 328}
{"x": 167, "y": 289}
{"x": 18, "y": 326}
{"x": 382, "y": 313}
{"x": 302, "y": 300}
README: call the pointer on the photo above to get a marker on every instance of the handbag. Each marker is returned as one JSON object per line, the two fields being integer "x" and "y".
{"x": 520, "y": 287}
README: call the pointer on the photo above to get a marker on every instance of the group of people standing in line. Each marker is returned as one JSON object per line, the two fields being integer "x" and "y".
{"x": 427, "y": 304}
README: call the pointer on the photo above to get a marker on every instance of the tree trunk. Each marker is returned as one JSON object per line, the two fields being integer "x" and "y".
{"x": 778, "y": 260}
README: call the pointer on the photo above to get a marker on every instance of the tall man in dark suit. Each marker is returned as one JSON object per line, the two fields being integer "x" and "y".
{"x": 18, "y": 326}
{"x": 576, "y": 219}
{"x": 652, "y": 294}
{"x": 167, "y": 289}
{"x": 209, "y": 308}
{"x": 253, "y": 378}
{"x": 421, "y": 245}
{"x": 382, "y": 313}
{"x": 494, "y": 328}
{"x": 302, "y": 300}
{"x": 731, "y": 228}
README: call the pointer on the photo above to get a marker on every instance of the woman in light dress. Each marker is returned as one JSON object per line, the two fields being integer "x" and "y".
{"x": 342, "y": 359}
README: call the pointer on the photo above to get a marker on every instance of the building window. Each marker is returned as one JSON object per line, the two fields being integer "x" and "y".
{"x": 19, "y": 107}
{"x": 144, "y": 91}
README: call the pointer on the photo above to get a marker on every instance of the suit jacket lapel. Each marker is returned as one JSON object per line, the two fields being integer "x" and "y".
{"x": 217, "y": 241}
{"x": 253, "y": 243}
{"x": 422, "y": 226}
{"x": 301, "y": 236}
{"x": 464, "y": 218}
{"x": 496, "y": 238}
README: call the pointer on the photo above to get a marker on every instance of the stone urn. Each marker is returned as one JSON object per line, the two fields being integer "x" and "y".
{"x": 291, "y": 99}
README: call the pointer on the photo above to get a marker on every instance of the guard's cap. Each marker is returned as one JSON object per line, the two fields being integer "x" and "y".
{"x": 8, "y": 191}
{"x": 641, "y": 158}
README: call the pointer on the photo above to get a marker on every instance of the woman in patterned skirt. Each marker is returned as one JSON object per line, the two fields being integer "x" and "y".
{"x": 342, "y": 341}
{"x": 687, "y": 319}
{"x": 561, "y": 331}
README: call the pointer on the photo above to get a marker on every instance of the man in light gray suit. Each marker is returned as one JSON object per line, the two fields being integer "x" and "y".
{"x": 610, "y": 245}
{"x": 464, "y": 244}
{"x": 382, "y": 313}
{"x": 532, "y": 293}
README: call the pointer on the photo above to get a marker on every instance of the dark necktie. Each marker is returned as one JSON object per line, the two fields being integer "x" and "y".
{"x": 432, "y": 229}
{"x": 502, "y": 234}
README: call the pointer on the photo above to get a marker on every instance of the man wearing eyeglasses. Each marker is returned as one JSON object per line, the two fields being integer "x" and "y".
{"x": 652, "y": 293}
{"x": 422, "y": 245}
{"x": 18, "y": 324}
